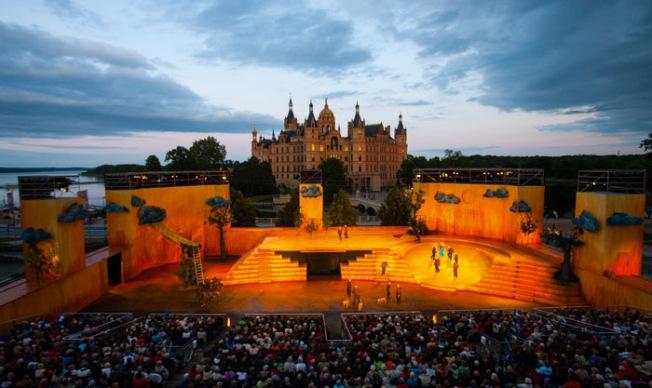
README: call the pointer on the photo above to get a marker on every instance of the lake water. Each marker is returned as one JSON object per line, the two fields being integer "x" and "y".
{"x": 94, "y": 186}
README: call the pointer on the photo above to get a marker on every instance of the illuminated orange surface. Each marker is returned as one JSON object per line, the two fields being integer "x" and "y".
{"x": 476, "y": 215}
{"x": 67, "y": 241}
{"x": 143, "y": 246}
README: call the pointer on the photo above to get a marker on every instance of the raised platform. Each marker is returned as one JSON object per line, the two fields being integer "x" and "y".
{"x": 485, "y": 266}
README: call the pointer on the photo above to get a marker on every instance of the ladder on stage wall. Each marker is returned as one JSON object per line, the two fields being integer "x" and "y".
{"x": 197, "y": 264}
{"x": 184, "y": 242}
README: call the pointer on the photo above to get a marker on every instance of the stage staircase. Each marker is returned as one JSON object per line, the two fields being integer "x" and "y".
{"x": 184, "y": 242}
{"x": 369, "y": 267}
{"x": 529, "y": 281}
{"x": 265, "y": 266}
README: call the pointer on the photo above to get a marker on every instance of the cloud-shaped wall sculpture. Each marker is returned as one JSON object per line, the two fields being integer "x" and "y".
{"x": 31, "y": 235}
{"x": 623, "y": 219}
{"x": 150, "y": 215}
{"x": 74, "y": 212}
{"x": 520, "y": 207}
{"x": 113, "y": 207}
{"x": 498, "y": 193}
{"x": 137, "y": 201}
{"x": 218, "y": 202}
{"x": 446, "y": 198}
{"x": 311, "y": 191}
{"x": 587, "y": 222}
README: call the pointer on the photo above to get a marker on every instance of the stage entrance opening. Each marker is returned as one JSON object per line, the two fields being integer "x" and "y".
{"x": 323, "y": 265}
{"x": 114, "y": 268}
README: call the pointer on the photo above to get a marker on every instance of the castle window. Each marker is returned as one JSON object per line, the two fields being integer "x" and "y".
{"x": 321, "y": 148}
{"x": 312, "y": 147}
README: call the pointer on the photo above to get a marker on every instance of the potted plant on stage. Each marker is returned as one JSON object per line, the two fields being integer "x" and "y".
{"x": 311, "y": 227}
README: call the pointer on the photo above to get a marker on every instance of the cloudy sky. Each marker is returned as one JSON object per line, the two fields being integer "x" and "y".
{"x": 85, "y": 83}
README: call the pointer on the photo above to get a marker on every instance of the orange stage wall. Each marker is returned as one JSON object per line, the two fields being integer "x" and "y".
{"x": 312, "y": 208}
{"x": 142, "y": 246}
{"x": 478, "y": 216}
{"x": 617, "y": 249}
{"x": 67, "y": 238}
{"x": 609, "y": 262}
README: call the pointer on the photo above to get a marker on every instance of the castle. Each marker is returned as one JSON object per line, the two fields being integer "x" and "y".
{"x": 371, "y": 156}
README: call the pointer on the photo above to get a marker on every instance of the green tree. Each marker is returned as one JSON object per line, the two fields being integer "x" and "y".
{"x": 221, "y": 217}
{"x": 646, "y": 143}
{"x": 397, "y": 208}
{"x": 340, "y": 212}
{"x": 180, "y": 159}
{"x": 208, "y": 153}
{"x": 242, "y": 211}
{"x": 288, "y": 214}
{"x": 333, "y": 175}
{"x": 152, "y": 163}
{"x": 253, "y": 177}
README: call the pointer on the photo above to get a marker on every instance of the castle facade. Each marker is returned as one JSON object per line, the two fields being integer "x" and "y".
{"x": 369, "y": 152}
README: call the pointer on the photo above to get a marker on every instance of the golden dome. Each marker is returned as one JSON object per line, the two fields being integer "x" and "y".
{"x": 326, "y": 117}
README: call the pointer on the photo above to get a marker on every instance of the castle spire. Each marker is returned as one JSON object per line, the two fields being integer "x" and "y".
{"x": 356, "y": 119}
{"x": 326, "y": 102}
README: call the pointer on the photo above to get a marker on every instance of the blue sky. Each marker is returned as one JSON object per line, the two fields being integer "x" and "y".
{"x": 85, "y": 83}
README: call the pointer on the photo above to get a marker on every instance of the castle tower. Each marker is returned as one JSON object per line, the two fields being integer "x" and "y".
{"x": 311, "y": 123}
{"x": 290, "y": 121}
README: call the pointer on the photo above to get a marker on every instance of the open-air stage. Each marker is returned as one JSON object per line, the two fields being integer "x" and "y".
{"x": 492, "y": 274}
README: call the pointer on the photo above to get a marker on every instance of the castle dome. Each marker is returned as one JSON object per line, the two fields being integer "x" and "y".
{"x": 326, "y": 117}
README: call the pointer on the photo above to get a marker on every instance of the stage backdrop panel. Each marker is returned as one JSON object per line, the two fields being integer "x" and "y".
{"x": 476, "y": 214}
{"x": 143, "y": 246}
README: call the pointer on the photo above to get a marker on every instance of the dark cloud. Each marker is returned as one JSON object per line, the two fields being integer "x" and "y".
{"x": 415, "y": 103}
{"x": 290, "y": 35}
{"x": 60, "y": 87}
{"x": 341, "y": 93}
{"x": 569, "y": 57}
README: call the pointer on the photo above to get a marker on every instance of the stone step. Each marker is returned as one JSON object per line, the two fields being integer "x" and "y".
{"x": 547, "y": 284}
{"x": 523, "y": 294}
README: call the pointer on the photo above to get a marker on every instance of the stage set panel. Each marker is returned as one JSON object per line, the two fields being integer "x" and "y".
{"x": 143, "y": 246}
{"x": 476, "y": 214}
{"x": 66, "y": 246}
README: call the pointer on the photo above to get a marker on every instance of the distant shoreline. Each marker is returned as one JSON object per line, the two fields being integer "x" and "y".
{"x": 37, "y": 169}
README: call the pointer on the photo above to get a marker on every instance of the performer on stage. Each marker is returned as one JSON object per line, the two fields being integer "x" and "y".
{"x": 437, "y": 263}
{"x": 389, "y": 291}
{"x": 346, "y": 231}
{"x": 398, "y": 293}
{"x": 349, "y": 288}
{"x": 339, "y": 232}
{"x": 455, "y": 267}
{"x": 442, "y": 250}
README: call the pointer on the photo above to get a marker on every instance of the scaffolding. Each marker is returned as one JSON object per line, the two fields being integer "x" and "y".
{"x": 497, "y": 176}
{"x": 611, "y": 181}
{"x": 139, "y": 180}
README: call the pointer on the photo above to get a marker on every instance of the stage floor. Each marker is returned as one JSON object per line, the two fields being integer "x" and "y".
{"x": 158, "y": 290}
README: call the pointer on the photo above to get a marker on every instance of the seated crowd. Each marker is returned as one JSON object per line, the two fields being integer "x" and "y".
{"x": 463, "y": 349}
{"x": 87, "y": 350}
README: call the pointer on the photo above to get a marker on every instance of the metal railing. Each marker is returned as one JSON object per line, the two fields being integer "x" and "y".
{"x": 310, "y": 176}
{"x": 497, "y": 176}
{"x": 139, "y": 180}
{"x": 611, "y": 181}
{"x": 45, "y": 186}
